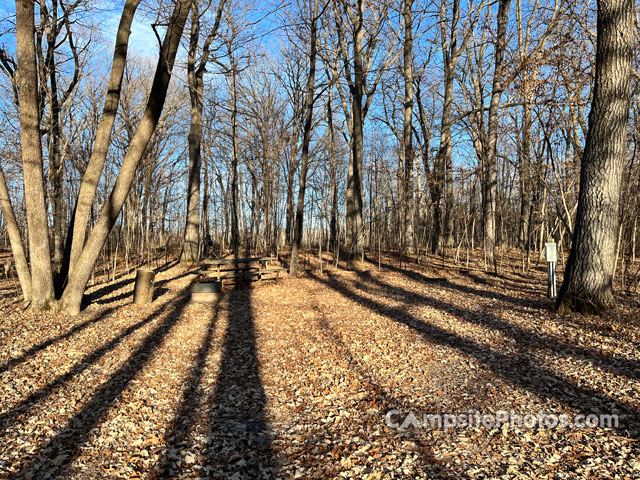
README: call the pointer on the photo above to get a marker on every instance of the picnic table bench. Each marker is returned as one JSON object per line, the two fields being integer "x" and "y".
{"x": 253, "y": 268}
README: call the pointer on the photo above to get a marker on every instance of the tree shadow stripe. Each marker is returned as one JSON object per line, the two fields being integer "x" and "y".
{"x": 515, "y": 369}
{"x": 77, "y": 429}
{"x": 238, "y": 419}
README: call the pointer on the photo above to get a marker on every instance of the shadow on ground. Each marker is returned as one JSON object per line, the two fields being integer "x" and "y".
{"x": 517, "y": 368}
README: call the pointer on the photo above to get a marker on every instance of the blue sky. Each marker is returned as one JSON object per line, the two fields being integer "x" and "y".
{"x": 142, "y": 42}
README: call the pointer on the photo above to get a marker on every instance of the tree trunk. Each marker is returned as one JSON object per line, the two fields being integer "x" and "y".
{"x": 235, "y": 234}
{"x": 207, "y": 242}
{"x": 143, "y": 288}
{"x": 409, "y": 202}
{"x": 333, "y": 175}
{"x": 525, "y": 175}
{"x": 354, "y": 217}
{"x": 79, "y": 276}
{"x": 41, "y": 274}
{"x": 17, "y": 247}
{"x": 290, "y": 213}
{"x": 588, "y": 281}
{"x": 306, "y": 140}
{"x": 491, "y": 162}
{"x": 190, "y": 249}
{"x": 92, "y": 174}
{"x": 56, "y": 165}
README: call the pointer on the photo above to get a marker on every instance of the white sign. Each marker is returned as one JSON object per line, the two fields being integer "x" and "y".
{"x": 550, "y": 252}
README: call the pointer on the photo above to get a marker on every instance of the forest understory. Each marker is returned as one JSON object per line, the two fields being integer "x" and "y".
{"x": 295, "y": 379}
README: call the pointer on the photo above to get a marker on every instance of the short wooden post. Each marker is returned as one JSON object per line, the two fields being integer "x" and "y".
{"x": 143, "y": 289}
{"x": 551, "y": 255}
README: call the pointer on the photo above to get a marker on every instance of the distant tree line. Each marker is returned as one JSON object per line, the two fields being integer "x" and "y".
{"x": 419, "y": 127}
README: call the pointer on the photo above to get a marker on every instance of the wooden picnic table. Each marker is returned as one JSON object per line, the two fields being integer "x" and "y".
{"x": 228, "y": 261}
{"x": 245, "y": 268}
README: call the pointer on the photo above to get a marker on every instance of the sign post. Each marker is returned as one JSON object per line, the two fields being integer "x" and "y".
{"x": 551, "y": 255}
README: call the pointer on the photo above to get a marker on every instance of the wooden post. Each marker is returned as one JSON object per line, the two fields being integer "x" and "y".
{"x": 143, "y": 290}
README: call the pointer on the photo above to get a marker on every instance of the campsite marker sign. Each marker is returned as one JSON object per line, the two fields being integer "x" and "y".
{"x": 551, "y": 254}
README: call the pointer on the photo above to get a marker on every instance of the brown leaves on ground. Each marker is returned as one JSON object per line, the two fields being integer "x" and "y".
{"x": 294, "y": 380}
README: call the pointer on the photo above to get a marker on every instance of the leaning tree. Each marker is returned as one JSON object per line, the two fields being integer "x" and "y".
{"x": 82, "y": 254}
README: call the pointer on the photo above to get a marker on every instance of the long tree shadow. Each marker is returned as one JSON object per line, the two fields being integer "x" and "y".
{"x": 592, "y": 324}
{"x": 377, "y": 396}
{"x": 186, "y": 418}
{"x": 517, "y": 369}
{"x": 420, "y": 277}
{"x": 100, "y": 316}
{"x": 10, "y": 416}
{"x": 525, "y": 338}
{"x": 240, "y": 436}
{"x": 66, "y": 445}
{"x": 98, "y": 295}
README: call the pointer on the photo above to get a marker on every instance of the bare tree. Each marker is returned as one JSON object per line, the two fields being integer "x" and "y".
{"x": 32, "y": 165}
{"x": 41, "y": 271}
{"x": 313, "y": 19}
{"x": 196, "y": 68}
{"x": 588, "y": 280}
{"x": 357, "y": 37}
{"x": 407, "y": 132}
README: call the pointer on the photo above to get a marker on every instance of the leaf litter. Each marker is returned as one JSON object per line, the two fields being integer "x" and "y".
{"x": 295, "y": 380}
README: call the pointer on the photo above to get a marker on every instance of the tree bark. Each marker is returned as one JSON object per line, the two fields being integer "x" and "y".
{"x": 41, "y": 273}
{"x": 190, "y": 248}
{"x": 491, "y": 161}
{"x": 195, "y": 79}
{"x": 79, "y": 276}
{"x": 17, "y": 247}
{"x": 407, "y": 132}
{"x": 354, "y": 219}
{"x": 143, "y": 288}
{"x": 588, "y": 281}
{"x": 306, "y": 139}
{"x": 56, "y": 165}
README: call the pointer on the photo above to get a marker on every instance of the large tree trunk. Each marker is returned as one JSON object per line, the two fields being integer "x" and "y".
{"x": 56, "y": 165}
{"x": 195, "y": 79}
{"x": 587, "y": 286}
{"x": 79, "y": 276}
{"x": 354, "y": 217}
{"x": 41, "y": 274}
{"x": 190, "y": 249}
{"x": 491, "y": 159}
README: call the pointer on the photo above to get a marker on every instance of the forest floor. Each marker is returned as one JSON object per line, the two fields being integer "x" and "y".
{"x": 296, "y": 379}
